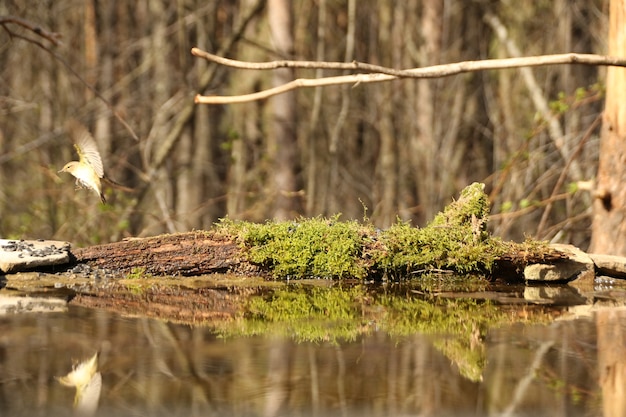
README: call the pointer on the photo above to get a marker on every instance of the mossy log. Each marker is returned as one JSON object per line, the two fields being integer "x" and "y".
{"x": 456, "y": 240}
{"x": 207, "y": 252}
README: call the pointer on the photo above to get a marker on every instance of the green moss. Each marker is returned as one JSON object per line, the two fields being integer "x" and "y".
{"x": 456, "y": 240}
{"x": 317, "y": 247}
{"x": 133, "y": 284}
{"x": 138, "y": 273}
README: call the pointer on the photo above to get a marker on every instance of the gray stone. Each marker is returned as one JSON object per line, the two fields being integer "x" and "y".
{"x": 11, "y": 304}
{"x": 578, "y": 266}
{"x": 21, "y": 255}
{"x": 610, "y": 265}
{"x": 559, "y": 295}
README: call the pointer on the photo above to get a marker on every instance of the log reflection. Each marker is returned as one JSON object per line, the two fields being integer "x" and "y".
{"x": 156, "y": 368}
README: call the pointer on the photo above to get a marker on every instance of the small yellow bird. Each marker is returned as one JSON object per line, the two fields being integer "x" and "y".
{"x": 88, "y": 169}
{"x": 88, "y": 383}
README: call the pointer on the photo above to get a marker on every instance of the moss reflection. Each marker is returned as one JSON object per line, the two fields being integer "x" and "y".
{"x": 305, "y": 313}
{"x": 339, "y": 313}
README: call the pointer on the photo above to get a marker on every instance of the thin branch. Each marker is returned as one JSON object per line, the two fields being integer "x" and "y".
{"x": 187, "y": 112}
{"x": 53, "y": 37}
{"x": 376, "y": 73}
{"x": 93, "y": 89}
{"x": 183, "y": 116}
{"x": 557, "y": 186}
{"x": 345, "y": 97}
{"x": 537, "y": 95}
{"x": 292, "y": 85}
{"x": 523, "y": 384}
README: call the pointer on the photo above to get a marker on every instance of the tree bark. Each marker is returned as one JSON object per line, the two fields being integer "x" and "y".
{"x": 424, "y": 145}
{"x": 246, "y": 163}
{"x": 283, "y": 138}
{"x": 609, "y": 225}
{"x": 182, "y": 254}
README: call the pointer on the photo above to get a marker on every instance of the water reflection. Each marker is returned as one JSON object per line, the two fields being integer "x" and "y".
{"x": 151, "y": 368}
{"x": 87, "y": 381}
{"x": 612, "y": 361}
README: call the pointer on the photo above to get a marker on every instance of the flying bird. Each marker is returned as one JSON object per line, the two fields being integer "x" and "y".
{"x": 88, "y": 169}
{"x": 87, "y": 380}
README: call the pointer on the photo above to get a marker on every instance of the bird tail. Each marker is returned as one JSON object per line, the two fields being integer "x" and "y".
{"x": 117, "y": 185}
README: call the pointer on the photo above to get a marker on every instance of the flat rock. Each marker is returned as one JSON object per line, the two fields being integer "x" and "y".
{"x": 21, "y": 255}
{"x": 560, "y": 295}
{"x": 610, "y": 265}
{"x": 10, "y": 304}
{"x": 577, "y": 266}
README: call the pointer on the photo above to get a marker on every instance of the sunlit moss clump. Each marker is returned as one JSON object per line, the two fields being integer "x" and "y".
{"x": 317, "y": 247}
{"x": 456, "y": 239}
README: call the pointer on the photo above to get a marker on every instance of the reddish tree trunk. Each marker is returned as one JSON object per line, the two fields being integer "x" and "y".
{"x": 609, "y": 223}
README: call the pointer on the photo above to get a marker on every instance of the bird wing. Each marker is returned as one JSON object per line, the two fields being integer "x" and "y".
{"x": 86, "y": 147}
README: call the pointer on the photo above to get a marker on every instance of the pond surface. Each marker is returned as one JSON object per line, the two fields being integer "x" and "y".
{"x": 561, "y": 363}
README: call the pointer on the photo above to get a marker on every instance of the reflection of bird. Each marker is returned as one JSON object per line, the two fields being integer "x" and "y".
{"x": 88, "y": 383}
{"x": 88, "y": 169}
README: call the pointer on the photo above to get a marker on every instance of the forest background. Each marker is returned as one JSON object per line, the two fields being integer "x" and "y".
{"x": 389, "y": 151}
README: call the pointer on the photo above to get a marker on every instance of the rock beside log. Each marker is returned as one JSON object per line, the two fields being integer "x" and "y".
{"x": 610, "y": 265}
{"x": 577, "y": 265}
{"x": 21, "y": 255}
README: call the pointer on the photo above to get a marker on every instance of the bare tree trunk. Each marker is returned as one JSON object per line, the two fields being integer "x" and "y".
{"x": 205, "y": 174}
{"x": 246, "y": 166}
{"x": 387, "y": 165}
{"x": 609, "y": 225}
{"x": 313, "y": 207}
{"x": 283, "y": 138}
{"x": 424, "y": 145}
{"x": 99, "y": 60}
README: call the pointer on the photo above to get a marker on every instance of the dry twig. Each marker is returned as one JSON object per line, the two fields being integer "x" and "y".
{"x": 375, "y": 73}
{"x": 5, "y": 21}
{"x": 55, "y": 39}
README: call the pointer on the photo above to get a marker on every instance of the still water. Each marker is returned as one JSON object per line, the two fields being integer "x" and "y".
{"x": 573, "y": 367}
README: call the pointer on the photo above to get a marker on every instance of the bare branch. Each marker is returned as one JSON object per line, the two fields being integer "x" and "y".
{"x": 536, "y": 93}
{"x": 298, "y": 83}
{"x": 377, "y": 73}
{"x": 53, "y": 37}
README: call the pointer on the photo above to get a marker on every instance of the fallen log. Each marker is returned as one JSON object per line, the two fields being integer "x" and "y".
{"x": 208, "y": 252}
{"x": 185, "y": 254}
{"x": 455, "y": 240}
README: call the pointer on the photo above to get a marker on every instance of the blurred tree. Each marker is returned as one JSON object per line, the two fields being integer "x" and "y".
{"x": 282, "y": 135}
{"x": 609, "y": 220}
